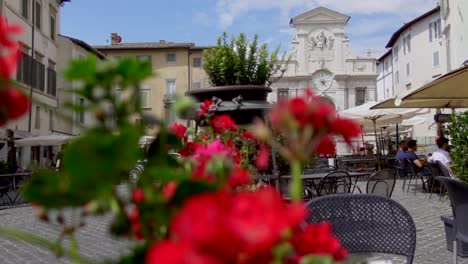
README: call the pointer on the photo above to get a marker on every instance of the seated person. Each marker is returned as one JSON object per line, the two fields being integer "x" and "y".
{"x": 418, "y": 164}
{"x": 401, "y": 155}
{"x": 442, "y": 153}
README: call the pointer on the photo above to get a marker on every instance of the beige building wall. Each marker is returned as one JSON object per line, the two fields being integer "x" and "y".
{"x": 45, "y": 51}
{"x": 185, "y": 71}
{"x": 67, "y": 121}
{"x": 46, "y": 25}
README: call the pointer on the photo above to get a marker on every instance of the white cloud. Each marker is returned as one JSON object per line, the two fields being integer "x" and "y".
{"x": 229, "y": 10}
{"x": 368, "y": 26}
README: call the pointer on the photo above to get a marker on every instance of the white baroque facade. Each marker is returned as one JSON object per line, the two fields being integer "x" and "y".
{"x": 321, "y": 59}
{"x": 454, "y": 15}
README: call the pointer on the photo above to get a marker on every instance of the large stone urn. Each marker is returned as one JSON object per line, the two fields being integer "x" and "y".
{"x": 243, "y": 103}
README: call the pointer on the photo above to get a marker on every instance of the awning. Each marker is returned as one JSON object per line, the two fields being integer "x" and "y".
{"x": 451, "y": 86}
{"x": 49, "y": 140}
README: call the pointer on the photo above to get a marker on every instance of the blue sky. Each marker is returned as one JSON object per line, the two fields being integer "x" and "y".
{"x": 202, "y": 21}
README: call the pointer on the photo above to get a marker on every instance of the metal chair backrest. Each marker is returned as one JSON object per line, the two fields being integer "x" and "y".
{"x": 335, "y": 183}
{"x": 410, "y": 167}
{"x": 443, "y": 169}
{"x": 435, "y": 170}
{"x": 319, "y": 169}
{"x": 458, "y": 194}
{"x": 367, "y": 223}
{"x": 382, "y": 183}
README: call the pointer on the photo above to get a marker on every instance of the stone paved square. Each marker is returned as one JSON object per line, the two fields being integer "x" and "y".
{"x": 97, "y": 244}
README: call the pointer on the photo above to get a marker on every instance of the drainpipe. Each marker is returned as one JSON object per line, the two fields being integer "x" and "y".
{"x": 33, "y": 32}
{"x": 189, "y": 69}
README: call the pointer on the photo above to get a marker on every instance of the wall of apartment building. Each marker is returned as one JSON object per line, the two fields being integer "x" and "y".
{"x": 385, "y": 88}
{"x": 70, "y": 122}
{"x": 454, "y": 14}
{"x": 418, "y": 65}
{"x": 164, "y": 73}
{"x": 45, "y": 53}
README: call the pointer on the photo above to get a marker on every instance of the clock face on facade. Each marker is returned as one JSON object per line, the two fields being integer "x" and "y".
{"x": 322, "y": 80}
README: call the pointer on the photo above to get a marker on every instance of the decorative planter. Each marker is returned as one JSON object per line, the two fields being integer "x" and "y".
{"x": 462, "y": 250}
{"x": 243, "y": 103}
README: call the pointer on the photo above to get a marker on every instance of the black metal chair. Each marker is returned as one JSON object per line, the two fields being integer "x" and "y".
{"x": 382, "y": 183}
{"x": 457, "y": 192}
{"x": 435, "y": 170}
{"x": 367, "y": 223}
{"x": 5, "y": 187}
{"x": 443, "y": 169}
{"x": 338, "y": 182}
{"x": 411, "y": 174}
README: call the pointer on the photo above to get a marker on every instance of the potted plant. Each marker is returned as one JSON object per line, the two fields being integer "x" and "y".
{"x": 458, "y": 133}
{"x": 240, "y": 72}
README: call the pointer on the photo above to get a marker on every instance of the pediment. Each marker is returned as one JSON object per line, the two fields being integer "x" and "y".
{"x": 320, "y": 15}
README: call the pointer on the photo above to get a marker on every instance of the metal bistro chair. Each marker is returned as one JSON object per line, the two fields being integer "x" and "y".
{"x": 382, "y": 183}
{"x": 5, "y": 186}
{"x": 412, "y": 175}
{"x": 435, "y": 170}
{"x": 338, "y": 182}
{"x": 366, "y": 223}
{"x": 457, "y": 192}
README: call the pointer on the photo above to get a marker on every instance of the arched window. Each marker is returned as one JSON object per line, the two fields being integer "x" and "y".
{"x": 328, "y": 100}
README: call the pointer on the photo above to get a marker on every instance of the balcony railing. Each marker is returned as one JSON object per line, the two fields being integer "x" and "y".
{"x": 169, "y": 98}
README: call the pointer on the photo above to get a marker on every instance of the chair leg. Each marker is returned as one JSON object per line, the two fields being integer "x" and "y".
{"x": 432, "y": 189}
{"x": 409, "y": 183}
{"x": 416, "y": 186}
{"x": 455, "y": 258}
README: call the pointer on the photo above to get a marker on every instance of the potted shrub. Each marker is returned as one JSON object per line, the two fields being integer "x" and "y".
{"x": 240, "y": 72}
{"x": 458, "y": 132}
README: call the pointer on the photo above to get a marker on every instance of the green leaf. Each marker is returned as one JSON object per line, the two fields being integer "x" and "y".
{"x": 316, "y": 259}
{"x": 189, "y": 188}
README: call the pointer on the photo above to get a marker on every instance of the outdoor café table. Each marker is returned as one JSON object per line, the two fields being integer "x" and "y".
{"x": 313, "y": 177}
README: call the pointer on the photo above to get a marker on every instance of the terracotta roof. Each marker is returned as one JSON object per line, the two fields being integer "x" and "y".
{"x": 85, "y": 46}
{"x": 148, "y": 45}
{"x": 397, "y": 34}
{"x": 388, "y": 52}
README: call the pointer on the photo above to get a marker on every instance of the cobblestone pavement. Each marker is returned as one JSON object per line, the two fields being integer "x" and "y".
{"x": 96, "y": 244}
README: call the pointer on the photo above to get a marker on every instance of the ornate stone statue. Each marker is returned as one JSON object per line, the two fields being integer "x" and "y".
{"x": 330, "y": 42}
{"x": 321, "y": 39}
{"x": 321, "y": 63}
{"x": 312, "y": 43}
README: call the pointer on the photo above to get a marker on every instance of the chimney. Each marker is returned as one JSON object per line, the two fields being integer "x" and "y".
{"x": 115, "y": 38}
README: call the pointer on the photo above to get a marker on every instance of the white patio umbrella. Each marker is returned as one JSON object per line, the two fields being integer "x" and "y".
{"x": 417, "y": 120}
{"x": 49, "y": 140}
{"x": 369, "y": 117}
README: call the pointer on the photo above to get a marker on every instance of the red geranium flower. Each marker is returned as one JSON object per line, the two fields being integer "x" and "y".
{"x": 179, "y": 130}
{"x": 326, "y": 146}
{"x": 169, "y": 190}
{"x": 239, "y": 177}
{"x": 138, "y": 195}
{"x": 13, "y": 104}
{"x": 248, "y": 135}
{"x": 319, "y": 239}
{"x": 263, "y": 156}
{"x": 189, "y": 149}
{"x": 9, "y": 47}
{"x": 169, "y": 252}
{"x": 205, "y": 107}
{"x": 347, "y": 128}
{"x": 222, "y": 123}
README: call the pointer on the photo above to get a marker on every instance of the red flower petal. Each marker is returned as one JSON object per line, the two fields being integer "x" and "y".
{"x": 326, "y": 146}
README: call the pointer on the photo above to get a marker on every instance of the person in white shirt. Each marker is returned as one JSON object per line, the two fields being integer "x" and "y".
{"x": 442, "y": 153}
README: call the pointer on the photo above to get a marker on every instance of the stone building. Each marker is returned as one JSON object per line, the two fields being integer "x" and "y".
{"x": 322, "y": 59}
